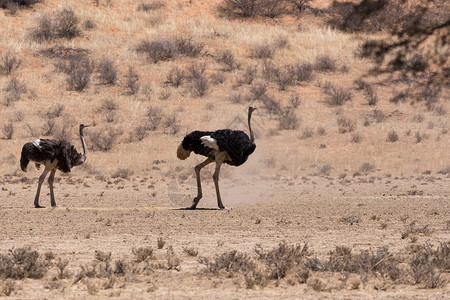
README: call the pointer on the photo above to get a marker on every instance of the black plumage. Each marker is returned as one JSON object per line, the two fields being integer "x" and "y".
{"x": 235, "y": 143}
{"x": 61, "y": 150}
{"x": 54, "y": 155}
{"x": 232, "y": 147}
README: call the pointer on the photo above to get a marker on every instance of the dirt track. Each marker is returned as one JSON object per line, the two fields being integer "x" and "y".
{"x": 120, "y": 216}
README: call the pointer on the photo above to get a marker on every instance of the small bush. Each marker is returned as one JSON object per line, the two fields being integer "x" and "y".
{"x": 356, "y": 138}
{"x": 8, "y": 130}
{"x": 190, "y": 251}
{"x": 103, "y": 140}
{"x": 288, "y": 120}
{"x": 158, "y": 50}
{"x": 272, "y": 105}
{"x": 284, "y": 78}
{"x": 160, "y": 242}
{"x": 337, "y": 96}
{"x": 294, "y": 100}
{"x": 23, "y": 263}
{"x": 346, "y": 125}
{"x": 14, "y": 90}
{"x": 55, "y": 111}
{"x": 67, "y": 24}
{"x": 45, "y": 29}
{"x": 172, "y": 123}
{"x": 262, "y": 51}
{"x": 88, "y": 24}
{"x": 308, "y": 132}
{"x": 366, "y": 168}
{"x": 258, "y": 90}
{"x": 325, "y": 63}
{"x": 187, "y": 46}
{"x": 154, "y": 117}
{"x": 218, "y": 77}
{"x": 195, "y": 70}
{"x": 79, "y": 79}
{"x": 175, "y": 77}
{"x": 154, "y": 5}
{"x": 8, "y": 63}
{"x": 108, "y": 71}
{"x": 417, "y": 63}
{"x": 302, "y": 72}
{"x": 142, "y": 254}
{"x": 249, "y": 75}
{"x": 238, "y": 97}
{"x": 321, "y": 131}
{"x": 132, "y": 81}
{"x": 371, "y": 94}
{"x": 392, "y": 136}
{"x": 269, "y": 70}
{"x": 227, "y": 58}
{"x": 200, "y": 86}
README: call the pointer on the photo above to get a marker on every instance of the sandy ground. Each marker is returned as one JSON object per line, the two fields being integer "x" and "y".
{"x": 119, "y": 215}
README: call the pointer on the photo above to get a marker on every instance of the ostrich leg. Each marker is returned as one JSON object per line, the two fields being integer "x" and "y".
{"x": 216, "y": 183}
{"x": 51, "y": 179}
{"x": 48, "y": 167}
{"x": 41, "y": 180}
{"x": 199, "y": 184}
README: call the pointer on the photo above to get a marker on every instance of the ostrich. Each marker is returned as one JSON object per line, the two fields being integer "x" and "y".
{"x": 228, "y": 146}
{"x": 54, "y": 155}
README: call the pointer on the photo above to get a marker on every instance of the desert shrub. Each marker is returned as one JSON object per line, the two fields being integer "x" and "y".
{"x": 232, "y": 262}
{"x": 164, "y": 94}
{"x": 67, "y": 24}
{"x": 336, "y": 95}
{"x": 140, "y": 132}
{"x": 79, "y": 79}
{"x": 417, "y": 63}
{"x": 44, "y": 30}
{"x": 227, "y": 58}
{"x": 88, "y": 24}
{"x": 141, "y": 254}
{"x": 187, "y": 46}
{"x": 302, "y": 72}
{"x": 284, "y": 78}
{"x": 103, "y": 140}
{"x": 8, "y": 130}
{"x": 175, "y": 77}
{"x": 258, "y": 90}
{"x": 191, "y": 251}
{"x": 371, "y": 94}
{"x": 153, "y": 5}
{"x": 366, "y": 168}
{"x": 122, "y": 173}
{"x": 299, "y": 5}
{"x": 200, "y": 85}
{"x": 23, "y": 263}
{"x": 308, "y": 132}
{"x": 420, "y": 137}
{"x": 346, "y": 125}
{"x": 217, "y": 77}
{"x": 49, "y": 127}
{"x": 14, "y": 90}
{"x": 269, "y": 70}
{"x": 281, "y": 42}
{"x": 154, "y": 116}
{"x": 272, "y": 105}
{"x": 392, "y": 136}
{"x": 251, "y": 8}
{"x": 321, "y": 131}
{"x": 8, "y": 63}
{"x": 262, "y": 51}
{"x": 238, "y": 97}
{"x": 272, "y": 8}
{"x": 195, "y": 70}
{"x": 108, "y": 71}
{"x": 171, "y": 122}
{"x": 294, "y": 100}
{"x": 288, "y": 119}
{"x": 55, "y": 111}
{"x": 158, "y": 50}
{"x": 132, "y": 81}
{"x": 160, "y": 242}
{"x": 356, "y": 138}
{"x": 325, "y": 63}
{"x": 248, "y": 75}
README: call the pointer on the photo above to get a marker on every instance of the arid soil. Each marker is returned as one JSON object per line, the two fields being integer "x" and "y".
{"x": 121, "y": 215}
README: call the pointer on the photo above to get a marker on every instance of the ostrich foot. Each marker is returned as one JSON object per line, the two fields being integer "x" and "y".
{"x": 38, "y": 206}
{"x": 226, "y": 208}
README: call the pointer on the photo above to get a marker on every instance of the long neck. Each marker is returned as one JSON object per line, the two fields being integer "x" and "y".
{"x": 252, "y": 137}
{"x": 83, "y": 144}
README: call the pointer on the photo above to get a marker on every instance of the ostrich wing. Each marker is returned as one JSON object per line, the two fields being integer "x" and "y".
{"x": 210, "y": 142}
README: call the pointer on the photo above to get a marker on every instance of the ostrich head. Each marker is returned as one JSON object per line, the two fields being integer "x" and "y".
{"x": 251, "y": 109}
{"x": 82, "y": 126}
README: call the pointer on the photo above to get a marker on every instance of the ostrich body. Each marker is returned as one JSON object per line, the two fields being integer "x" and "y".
{"x": 232, "y": 147}
{"x": 54, "y": 155}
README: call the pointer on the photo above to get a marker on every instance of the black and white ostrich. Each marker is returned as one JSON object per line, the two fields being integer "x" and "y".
{"x": 228, "y": 146}
{"x": 54, "y": 155}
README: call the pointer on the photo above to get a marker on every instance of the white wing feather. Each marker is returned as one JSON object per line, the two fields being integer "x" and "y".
{"x": 210, "y": 142}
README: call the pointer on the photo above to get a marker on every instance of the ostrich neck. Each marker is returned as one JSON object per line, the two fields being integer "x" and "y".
{"x": 252, "y": 137}
{"x": 83, "y": 144}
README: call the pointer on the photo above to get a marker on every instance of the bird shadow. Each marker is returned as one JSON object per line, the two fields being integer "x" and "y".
{"x": 202, "y": 208}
